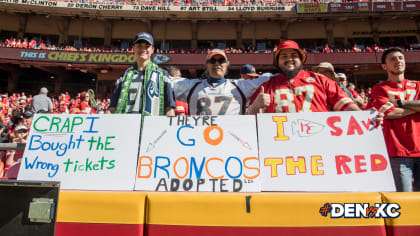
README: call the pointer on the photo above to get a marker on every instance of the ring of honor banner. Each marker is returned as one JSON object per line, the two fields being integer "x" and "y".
{"x": 87, "y": 152}
{"x": 199, "y": 153}
{"x": 323, "y": 151}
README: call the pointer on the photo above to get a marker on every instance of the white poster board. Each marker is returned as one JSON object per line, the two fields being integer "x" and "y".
{"x": 86, "y": 152}
{"x": 323, "y": 151}
{"x": 199, "y": 153}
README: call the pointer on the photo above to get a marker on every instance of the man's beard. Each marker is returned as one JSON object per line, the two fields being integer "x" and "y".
{"x": 292, "y": 73}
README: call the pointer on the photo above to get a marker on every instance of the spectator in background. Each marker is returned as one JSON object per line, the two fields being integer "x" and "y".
{"x": 84, "y": 104}
{"x": 181, "y": 107}
{"x": 369, "y": 92}
{"x": 326, "y": 49}
{"x": 248, "y": 72}
{"x": 342, "y": 79}
{"x": 41, "y": 102}
{"x": 399, "y": 99}
{"x": 27, "y": 118}
{"x": 24, "y": 43}
{"x": 19, "y": 136}
{"x": 356, "y": 48}
{"x": 327, "y": 69}
{"x": 42, "y": 45}
{"x": 32, "y": 44}
{"x": 4, "y": 129}
{"x": 352, "y": 89}
{"x": 376, "y": 48}
{"x": 288, "y": 91}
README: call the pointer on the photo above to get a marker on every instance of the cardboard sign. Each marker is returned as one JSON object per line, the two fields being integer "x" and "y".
{"x": 90, "y": 152}
{"x": 199, "y": 153}
{"x": 323, "y": 151}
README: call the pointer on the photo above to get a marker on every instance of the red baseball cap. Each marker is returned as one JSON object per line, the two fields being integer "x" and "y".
{"x": 288, "y": 44}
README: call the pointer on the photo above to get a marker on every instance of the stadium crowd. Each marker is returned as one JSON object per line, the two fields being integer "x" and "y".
{"x": 17, "y": 110}
{"x": 38, "y": 43}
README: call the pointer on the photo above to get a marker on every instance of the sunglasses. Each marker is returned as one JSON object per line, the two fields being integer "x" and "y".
{"x": 213, "y": 61}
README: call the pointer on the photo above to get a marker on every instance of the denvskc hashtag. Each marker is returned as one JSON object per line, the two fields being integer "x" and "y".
{"x": 324, "y": 210}
{"x": 360, "y": 210}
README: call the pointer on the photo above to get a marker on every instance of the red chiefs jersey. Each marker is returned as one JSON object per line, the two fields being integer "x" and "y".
{"x": 307, "y": 92}
{"x": 402, "y": 136}
{"x": 181, "y": 107}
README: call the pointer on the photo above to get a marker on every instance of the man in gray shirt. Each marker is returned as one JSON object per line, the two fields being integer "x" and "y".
{"x": 41, "y": 102}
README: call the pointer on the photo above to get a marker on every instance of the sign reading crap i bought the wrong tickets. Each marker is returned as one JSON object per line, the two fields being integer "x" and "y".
{"x": 199, "y": 153}
{"x": 323, "y": 151}
{"x": 87, "y": 152}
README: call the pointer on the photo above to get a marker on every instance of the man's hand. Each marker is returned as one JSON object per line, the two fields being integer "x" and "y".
{"x": 111, "y": 110}
{"x": 379, "y": 118}
{"x": 170, "y": 111}
{"x": 262, "y": 101}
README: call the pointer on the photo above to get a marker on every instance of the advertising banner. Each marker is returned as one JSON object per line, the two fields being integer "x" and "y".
{"x": 202, "y": 7}
{"x": 341, "y": 7}
{"x": 387, "y": 6}
{"x": 311, "y": 8}
{"x": 411, "y": 6}
{"x": 363, "y": 7}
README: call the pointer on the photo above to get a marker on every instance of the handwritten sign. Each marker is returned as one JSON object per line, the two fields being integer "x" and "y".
{"x": 322, "y": 151}
{"x": 199, "y": 153}
{"x": 90, "y": 152}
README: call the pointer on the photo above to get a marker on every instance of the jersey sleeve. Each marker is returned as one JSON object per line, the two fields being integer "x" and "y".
{"x": 169, "y": 98}
{"x": 380, "y": 99}
{"x": 335, "y": 95}
{"x": 182, "y": 87}
{"x": 249, "y": 86}
{"x": 50, "y": 105}
{"x": 116, "y": 92}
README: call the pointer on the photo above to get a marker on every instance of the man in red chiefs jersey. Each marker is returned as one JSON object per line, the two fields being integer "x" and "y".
{"x": 398, "y": 98}
{"x": 296, "y": 90}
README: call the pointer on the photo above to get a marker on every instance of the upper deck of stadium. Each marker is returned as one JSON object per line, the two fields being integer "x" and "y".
{"x": 206, "y": 10}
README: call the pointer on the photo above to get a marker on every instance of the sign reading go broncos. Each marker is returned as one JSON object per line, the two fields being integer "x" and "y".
{"x": 199, "y": 153}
